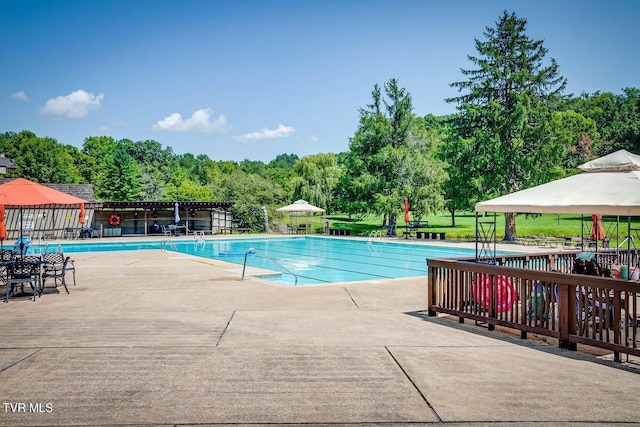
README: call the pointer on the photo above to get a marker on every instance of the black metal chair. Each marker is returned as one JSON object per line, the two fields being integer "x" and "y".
{"x": 56, "y": 266}
{"x": 20, "y": 272}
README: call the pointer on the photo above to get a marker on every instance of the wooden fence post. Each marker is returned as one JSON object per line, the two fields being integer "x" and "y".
{"x": 566, "y": 315}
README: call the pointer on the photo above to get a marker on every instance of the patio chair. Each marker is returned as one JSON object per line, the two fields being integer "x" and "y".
{"x": 20, "y": 272}
{"x": 6, "y": 255}
{"x": 590, "y": 307}
{"x": 56, "y": 266}
{"x": 165, "y": 231}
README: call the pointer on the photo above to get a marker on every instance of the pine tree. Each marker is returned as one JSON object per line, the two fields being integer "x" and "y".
{"x": 505, "y": 109}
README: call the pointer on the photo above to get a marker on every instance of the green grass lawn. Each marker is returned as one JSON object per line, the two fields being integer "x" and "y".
{"x": 540, "y": 226}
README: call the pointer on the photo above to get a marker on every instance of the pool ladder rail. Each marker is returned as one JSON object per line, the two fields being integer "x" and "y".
{"x": 166, "y": 242}
{"x": 256, "y": 251}
{"x": 374, "y": 235}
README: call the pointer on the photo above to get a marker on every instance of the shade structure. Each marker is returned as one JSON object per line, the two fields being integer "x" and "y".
{"x": 22, "y": 193}
{"x": 609, "y": 185}
{"x": 300, "y": 206}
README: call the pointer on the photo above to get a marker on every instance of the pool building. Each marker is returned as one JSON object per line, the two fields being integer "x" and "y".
{"x": 112, "y": 219}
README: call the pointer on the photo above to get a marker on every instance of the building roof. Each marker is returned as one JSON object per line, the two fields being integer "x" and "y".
{"x": 83, "y": 191}
{"x": 148, "y": 205}
{"x": 7, "y": 163}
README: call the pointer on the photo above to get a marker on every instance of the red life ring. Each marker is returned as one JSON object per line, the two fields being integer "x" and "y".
{"x": 114, "y": 220}
{"x": 505, "y": 296}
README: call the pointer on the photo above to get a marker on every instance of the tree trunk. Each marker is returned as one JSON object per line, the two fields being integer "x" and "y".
{"x": 392, "y": 223}
{"x": 453, "y": 218}
{"x": 510, "y": 226}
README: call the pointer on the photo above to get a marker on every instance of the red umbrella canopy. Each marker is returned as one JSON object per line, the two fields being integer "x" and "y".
{"x": 22, "y": 192}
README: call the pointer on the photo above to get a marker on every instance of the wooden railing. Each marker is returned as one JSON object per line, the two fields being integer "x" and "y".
{"x": 536, "y": 293}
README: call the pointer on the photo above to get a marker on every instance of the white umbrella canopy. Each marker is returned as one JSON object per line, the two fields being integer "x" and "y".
{"x": 609, "y": 185}
{"x": 300, "y": 206}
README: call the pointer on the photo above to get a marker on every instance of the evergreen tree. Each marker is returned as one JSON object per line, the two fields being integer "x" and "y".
{"x": 505, "y": 108}
{"x": 120, "y": 179}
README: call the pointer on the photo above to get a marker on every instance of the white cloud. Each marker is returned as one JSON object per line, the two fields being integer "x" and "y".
{"x": 75, "y": 105}
{"x": 20, "y": 96}
{"x": 200, "y": 121}
{"x": 280, "y": 132}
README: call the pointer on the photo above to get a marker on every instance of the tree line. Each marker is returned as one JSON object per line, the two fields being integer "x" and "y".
{"x": 515, "y": 127}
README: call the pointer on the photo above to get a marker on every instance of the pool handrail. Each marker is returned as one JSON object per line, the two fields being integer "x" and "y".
{"x": 373, "y": 234}
{"x": 166, "y": 242}
{"x": 263, "y": 255}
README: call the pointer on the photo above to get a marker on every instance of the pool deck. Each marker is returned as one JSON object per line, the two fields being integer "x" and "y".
{"x": 161, "y": 338}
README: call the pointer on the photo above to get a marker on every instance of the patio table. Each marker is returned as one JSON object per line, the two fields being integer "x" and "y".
{"x": 21, "y": 271}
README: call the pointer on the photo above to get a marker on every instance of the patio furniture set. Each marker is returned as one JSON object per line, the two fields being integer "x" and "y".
{"x": 19, "y": 270}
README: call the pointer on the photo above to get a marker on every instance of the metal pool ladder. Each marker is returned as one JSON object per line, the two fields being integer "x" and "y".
{"x": 256, "y": 251}
{"x": 166, "y": 242}
{"x": 374, "y": 234}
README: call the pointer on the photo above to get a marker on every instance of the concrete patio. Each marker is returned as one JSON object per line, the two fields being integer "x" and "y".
{"x": 161, "y": 338}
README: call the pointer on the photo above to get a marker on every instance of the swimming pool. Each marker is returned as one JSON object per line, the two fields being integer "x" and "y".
{"x": 304, "y": 260}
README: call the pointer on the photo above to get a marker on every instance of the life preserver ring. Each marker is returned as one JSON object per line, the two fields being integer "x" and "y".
{"x": 114, "y": 220}
{"x": 505, "y": 295}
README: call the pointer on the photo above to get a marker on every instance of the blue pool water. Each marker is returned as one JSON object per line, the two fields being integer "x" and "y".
{"x": 310, "y": 260}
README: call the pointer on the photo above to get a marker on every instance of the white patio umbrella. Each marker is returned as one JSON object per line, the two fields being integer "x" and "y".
{"x": 300, "y": 207}
{"x": 609, "y": 185}
{"x": 176, "y": 213}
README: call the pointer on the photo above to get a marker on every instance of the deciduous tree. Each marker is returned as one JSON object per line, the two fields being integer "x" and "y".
{"x": 389, "y": 159}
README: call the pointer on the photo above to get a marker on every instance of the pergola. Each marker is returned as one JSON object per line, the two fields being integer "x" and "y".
{"x": 149, "y": 209}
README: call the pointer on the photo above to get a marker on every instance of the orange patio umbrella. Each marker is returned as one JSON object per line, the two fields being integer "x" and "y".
{"x": 82, "y": 219}
{"x": 3, "y": 226}
{"x": 22, "y": 193}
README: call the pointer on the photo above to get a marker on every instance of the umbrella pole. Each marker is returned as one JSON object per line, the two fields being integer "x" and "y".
{"x": 629, "y": 248}
{"x": 21, "y": 242}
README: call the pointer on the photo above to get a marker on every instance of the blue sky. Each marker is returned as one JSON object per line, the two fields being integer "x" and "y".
{"x": 253, "y": 79}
